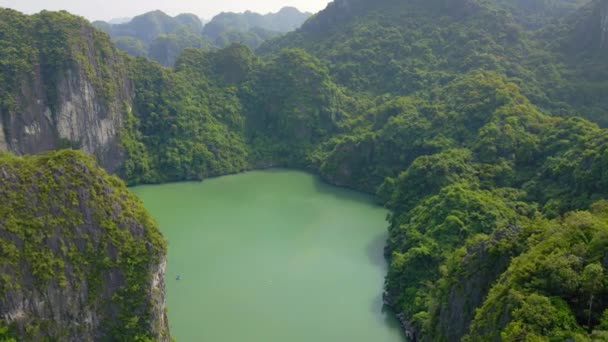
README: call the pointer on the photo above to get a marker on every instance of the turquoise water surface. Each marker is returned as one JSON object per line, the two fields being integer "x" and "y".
{"x": 271, "y": 256}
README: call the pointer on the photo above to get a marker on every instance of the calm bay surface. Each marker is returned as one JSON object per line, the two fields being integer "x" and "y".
{"x": 269, "y": 256}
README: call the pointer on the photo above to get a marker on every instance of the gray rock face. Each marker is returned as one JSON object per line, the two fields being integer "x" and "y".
{"x": 3, "y": 146}
{"x": 481, "y": 267}
{"x": 64, "y": 275}
{"x": 85, "y": 323}
{"x": 159, "y": 320}
{"x": 604, "y": 24}
{"x": 590, "y": 32}
{"x": 30, "y": 128}
{"x": 83, "y": 119}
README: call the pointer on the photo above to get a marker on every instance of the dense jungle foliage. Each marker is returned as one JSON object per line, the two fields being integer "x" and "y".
{"x": 469, "y": 119}
{"x": 456, "y": 134}
{"x": 409, "y": 47}
{"x": 162, "y": 38}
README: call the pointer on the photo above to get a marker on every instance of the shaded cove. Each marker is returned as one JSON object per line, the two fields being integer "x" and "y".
{"x": 272, "y": 255}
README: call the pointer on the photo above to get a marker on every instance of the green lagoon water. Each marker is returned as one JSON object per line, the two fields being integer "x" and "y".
{"x": 271, "y": 256}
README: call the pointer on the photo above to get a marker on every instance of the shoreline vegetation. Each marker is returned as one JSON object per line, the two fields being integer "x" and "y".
{"x": 478, "y": 124}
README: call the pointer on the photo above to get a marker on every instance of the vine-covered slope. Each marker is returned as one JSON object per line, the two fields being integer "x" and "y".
{"x": 80, "y": 259}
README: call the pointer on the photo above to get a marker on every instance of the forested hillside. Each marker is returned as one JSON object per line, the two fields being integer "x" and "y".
{"x": 252, "y": 29}
{"x": 466, "y": 118}
{"x": 162, "y": 38}
{"x": 409, "y": 47}
{"x": 157, "y": 35}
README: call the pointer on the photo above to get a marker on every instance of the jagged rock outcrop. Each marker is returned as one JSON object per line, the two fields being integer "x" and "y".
{"x": 80, "y": 259}
{"x": 469, "y": 284}
{"x": 79, "y": 120}
{"x": 73, "y": 91}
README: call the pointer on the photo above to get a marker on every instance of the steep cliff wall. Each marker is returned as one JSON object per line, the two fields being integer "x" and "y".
{"x": 65, "y": 86}
{"x": 469, "y": 281}
{"x": 3, "y": 146}
{"x": 80, "y": 259}
{"x": 589, "y": 30}
{"x": 604, "y": 24}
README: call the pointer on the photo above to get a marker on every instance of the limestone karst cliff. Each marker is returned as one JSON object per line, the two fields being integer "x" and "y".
{"x": 442, "y": 105}
{"x": 588, "y": 35}
{"x": 604, "y": 24}
{"x": 80, "y": 259}
{"x": 64, "y": 85}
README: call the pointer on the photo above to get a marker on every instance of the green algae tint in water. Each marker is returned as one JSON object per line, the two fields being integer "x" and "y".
{"x": 271, "y": 256}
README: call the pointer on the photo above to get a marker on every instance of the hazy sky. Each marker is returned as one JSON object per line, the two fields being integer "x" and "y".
{"x": 108, "y": 9}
